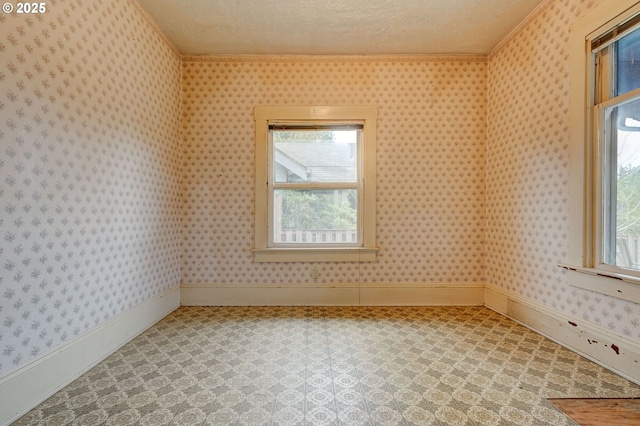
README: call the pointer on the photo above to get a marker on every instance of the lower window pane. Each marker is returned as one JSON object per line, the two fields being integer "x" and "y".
{"x": 622, "y": 187}
{"x": 315, "y": 216}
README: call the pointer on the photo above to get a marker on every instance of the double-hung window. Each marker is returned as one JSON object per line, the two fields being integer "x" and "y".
{"x": 315, "y": 184}
{"x": 605, "y": 125}
{"x": 617, "y": 132}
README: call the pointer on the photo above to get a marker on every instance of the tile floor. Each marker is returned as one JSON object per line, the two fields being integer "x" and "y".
{"x": 331, "y": 366}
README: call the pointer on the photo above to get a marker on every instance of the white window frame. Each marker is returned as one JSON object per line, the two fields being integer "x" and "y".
{"x": 586, "y": 204}
{"x": 358, "y": 184}
{"x": 366, "y": 251}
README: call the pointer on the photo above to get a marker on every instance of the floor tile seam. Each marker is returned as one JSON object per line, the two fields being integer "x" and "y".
{"x": 279, "y": 390}
{"x": 333, "y": 377}
{"x": 327, "y": 345}
{"x": 388, "y": 388}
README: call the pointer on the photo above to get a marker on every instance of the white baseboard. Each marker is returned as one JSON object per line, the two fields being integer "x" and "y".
{"x": 451, "y": 294}
{"x": 26, "y": 387}
{"x": 445, "y": 294}
{"x": 610, "y": 350}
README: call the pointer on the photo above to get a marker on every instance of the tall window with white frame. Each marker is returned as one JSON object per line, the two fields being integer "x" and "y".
{"x": 315, "y": 184}
{"x": 604, "y": 166}
{"x": 616, "y": 131}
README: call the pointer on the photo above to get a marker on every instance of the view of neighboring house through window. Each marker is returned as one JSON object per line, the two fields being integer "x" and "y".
{"x": 315, "y": 185}
{"x": 617, "y": 130}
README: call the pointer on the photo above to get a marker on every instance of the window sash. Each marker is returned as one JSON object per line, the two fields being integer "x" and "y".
{"x": 273, "y": 185}
{"x": 605, "y": 135}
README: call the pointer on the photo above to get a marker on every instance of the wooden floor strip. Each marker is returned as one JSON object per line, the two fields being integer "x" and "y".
{"x": 601, "y": 412}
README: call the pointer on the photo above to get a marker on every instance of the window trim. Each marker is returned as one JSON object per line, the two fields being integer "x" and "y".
{"x": 265, "y": 115}
{"x": 584, "y": 198}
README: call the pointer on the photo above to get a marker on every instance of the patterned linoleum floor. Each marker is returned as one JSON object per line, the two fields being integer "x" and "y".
{"x": 332, "y": 366}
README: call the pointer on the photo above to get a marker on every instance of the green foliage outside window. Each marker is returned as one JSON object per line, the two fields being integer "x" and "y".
{"x": 317, "y": 210}
{"x": 628, "y": 194}
{"x": 303, "y": 136}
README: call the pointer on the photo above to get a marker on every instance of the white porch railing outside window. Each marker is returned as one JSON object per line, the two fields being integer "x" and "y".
{"x": 318, "y": 236}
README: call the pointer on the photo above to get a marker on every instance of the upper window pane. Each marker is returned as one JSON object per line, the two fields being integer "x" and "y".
{"x": 315, "y": 156}
{"x": 628, "y": 63}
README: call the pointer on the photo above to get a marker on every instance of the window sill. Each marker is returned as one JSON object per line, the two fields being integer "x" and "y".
{"x": 621, "y": 286}
{"x": 332, "y": 254}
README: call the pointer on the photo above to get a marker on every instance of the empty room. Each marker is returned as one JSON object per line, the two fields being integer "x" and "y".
{"x": 320, "y": 212}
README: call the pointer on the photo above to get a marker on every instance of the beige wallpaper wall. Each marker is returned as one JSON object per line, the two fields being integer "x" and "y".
{"x": 89, "y": 171}
{"x": 527, "y": 171}
{"x": 96, "y": 185}
{"x": 430, "y": 173}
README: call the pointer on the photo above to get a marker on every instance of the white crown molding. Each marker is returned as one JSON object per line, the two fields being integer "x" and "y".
{"x": 332, "y": 58}
{"x": 542, "y": 7}
{"x": 156, "y": 28}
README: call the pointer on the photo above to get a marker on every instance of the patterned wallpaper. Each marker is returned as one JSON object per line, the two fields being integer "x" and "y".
{"x": 430, "y": 173}
{"x": 95, "y": 182}
{"x": 89, "y": 171}
{"x": 528, "y": 170}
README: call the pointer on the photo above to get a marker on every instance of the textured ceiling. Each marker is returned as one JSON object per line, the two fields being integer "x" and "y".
{"x": 337, "y": 27}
